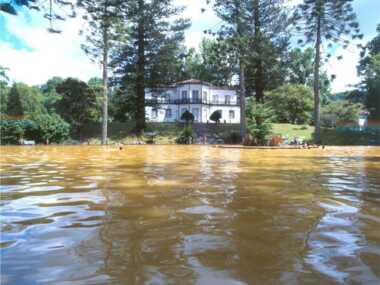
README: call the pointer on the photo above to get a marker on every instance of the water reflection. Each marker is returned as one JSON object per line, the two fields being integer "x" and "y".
{"x": 338, "y": 240}
{"x": 189, "y": 215}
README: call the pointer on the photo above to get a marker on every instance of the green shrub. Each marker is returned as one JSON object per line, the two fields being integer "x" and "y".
{"x": 216, "y": 116}
{"x": 186, "y": 136}
{"x": 24, "y": 100}
{"x": 11, "y": 131}
{"x": 259, "y": 122}
{"x": 340, "y": 111}
{"x": 291, "y": 104}
{"x": 50, "y": 128}
{"x": 187, "y": 117}
{"x": 42, "y": 128}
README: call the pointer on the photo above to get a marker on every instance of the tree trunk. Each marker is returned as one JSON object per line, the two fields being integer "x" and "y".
{"x": 140, "y": 81}
{"x": 317, "y": 104}
{"x": 242, "y": 101}
{"x": 105, "y": 88}
{"x": 258, "y": 76}
{"x": 259, "y": 86}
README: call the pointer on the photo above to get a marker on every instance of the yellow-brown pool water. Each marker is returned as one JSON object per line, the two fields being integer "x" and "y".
{"x": 189, "y": 215}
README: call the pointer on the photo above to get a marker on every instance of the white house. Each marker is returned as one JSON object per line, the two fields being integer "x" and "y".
{"x": 167, "y": 104}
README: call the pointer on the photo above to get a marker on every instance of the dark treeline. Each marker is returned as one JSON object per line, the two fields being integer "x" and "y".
{"x": 140, "y": 45}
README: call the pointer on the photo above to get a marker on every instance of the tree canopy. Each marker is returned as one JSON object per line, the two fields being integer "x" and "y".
{"x": 145, "y": 58}
{"x": 324, "y": 23}
{"x": 77, "y": 105}
{"x": 24, "y": 100}
{"x": 369, "y": 69}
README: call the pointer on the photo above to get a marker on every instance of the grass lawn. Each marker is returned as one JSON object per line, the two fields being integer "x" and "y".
{"x": 168, "y": 132}
{"x": 291, "y": 131}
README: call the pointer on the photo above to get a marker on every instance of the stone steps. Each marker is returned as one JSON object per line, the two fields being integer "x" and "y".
{"x": 206, "y": 134}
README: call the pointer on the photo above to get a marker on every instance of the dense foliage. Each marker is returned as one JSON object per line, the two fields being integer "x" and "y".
{"x": 23, "y": 100}
{"x": 14, "y": 130}
{"x": 259, "y": 123}
{"x": 49, "y": 128}
{"x": 216, "y": 116}
{"x": 291, "y": 104}
{"x": 42, "y": 128}
{"x": 50, "y": 96}
{"x": 343, "y": 110}
{"x": 186, "y": 136}
{"x": 77, "y": 105}
{"x": 369, "y": 68}
{"x": 210, "y": 64}
{"x": 187, "y": 116}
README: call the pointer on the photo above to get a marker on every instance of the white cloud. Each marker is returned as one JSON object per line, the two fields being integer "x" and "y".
{"x": 344, "y": 69}
{"x": 201, "y": 20}
{"x": 50, "y": 54}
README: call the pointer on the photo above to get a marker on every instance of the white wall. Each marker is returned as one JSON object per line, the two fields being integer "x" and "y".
{"x": 204, "y": 110}
{"x": 161, "y": 114}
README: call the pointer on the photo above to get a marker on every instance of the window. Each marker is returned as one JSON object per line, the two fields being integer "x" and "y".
{"x": 168, "y": 113}
{"x": 184, "y": 95}
{"x": 164, "y": 98}
{"x": 204, "y": 96}
{"x": 195, "y": 112}
{"x": 215, "y": 99}
{"x": 195, "y": 95}
{"x": 232, "y": 114}
{"x": 228, "y": 99}
{"x": 154, "y": 113}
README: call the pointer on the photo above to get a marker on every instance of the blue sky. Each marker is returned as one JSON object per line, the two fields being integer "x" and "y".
{"x": 33, "y": 55}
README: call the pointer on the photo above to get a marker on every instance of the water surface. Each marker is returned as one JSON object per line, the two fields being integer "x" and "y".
{"x": 189, "y": 215}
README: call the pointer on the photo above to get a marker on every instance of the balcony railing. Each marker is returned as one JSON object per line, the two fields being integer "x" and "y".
{"x": 158, "y": 101}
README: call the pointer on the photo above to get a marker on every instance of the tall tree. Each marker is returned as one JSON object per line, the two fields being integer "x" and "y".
{"x": 323, "y": 22}
{"x": 369, "y": 69}
{"x": 268, "y": 44}
{"x": 257, "y": 31}
{"x": 154, "y": 33}
{"x": 103, "y": 18}
{"x": 235, "y": 33}
{"x": 4, "y": 90}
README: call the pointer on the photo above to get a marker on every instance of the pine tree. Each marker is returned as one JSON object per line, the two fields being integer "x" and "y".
{"x": 103, "y": 18}
{"x": 235, "y": 33}
{"x": 151, "y": 43}
{"x": 323, "y": 22}
{"x": 268, "y": 44}
{"x": 369, "y": 69}
{"x": 257, "y": 32}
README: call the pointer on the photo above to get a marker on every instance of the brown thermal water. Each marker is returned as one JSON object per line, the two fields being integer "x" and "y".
{"x": 189, "y": 215}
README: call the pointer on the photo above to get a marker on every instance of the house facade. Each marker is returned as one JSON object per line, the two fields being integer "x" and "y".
{"x": 167, "y": 104}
